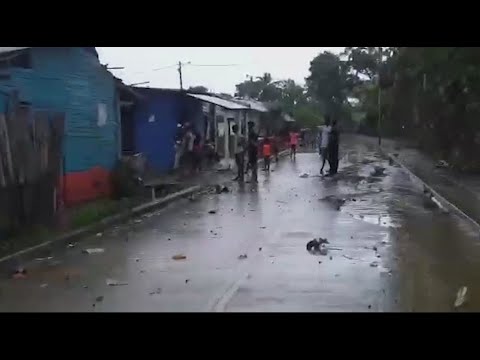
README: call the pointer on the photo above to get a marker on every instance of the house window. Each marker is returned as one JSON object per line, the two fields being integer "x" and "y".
{"x": 102, "y": 114}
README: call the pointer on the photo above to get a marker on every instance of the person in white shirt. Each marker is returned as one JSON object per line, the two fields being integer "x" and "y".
{"x": 324, "y": 138}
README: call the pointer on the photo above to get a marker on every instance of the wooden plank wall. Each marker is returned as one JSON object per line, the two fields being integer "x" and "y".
{"x": 31, "y": 158}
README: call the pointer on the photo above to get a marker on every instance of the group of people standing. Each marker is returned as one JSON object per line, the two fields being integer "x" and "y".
{"x": 250, "y": 146}
{"x": 328, "y": 144}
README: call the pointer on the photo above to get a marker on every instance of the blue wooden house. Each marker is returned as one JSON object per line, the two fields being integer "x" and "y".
{"x": 155, "y": 124}
{"x": 72, "y": 81}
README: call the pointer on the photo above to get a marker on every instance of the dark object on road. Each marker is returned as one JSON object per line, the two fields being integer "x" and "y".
{"x": 212, "y": 212}
{"x": 242, "y": 257}
{"x": 259, "y": 249}
{"x": 67, "y": 277}
{"x": 99, "y": 299}
{"x": 395, "y": 154}
{"x": 336, "y": 202}
{"x": 369, "y": 306}
{"x": 156, "y": 292}
{"x": 186, "y": 281}
{"x": 319, "y": 262}
{"x": 179, "y": 257}
{"x": 263, "y": 227}
{"x": 374, "y": 264}
{"x": 378, "y": 171}
{"x": 169, "y": 239}
{"x": 221, "y": 189}
{"x": 331, "y": 258}
{"x": 374, "y": 248}
{"x": 314, "y": 245}
{"x": 442, "y": 164}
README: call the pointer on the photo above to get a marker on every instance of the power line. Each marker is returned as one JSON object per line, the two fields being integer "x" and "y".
{"x": 214, "y": 65}
{"x": 165, "y": 67}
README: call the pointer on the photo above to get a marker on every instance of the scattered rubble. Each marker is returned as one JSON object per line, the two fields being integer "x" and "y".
{"x": 212, "y": 212}
{"x": 113, "y": 282}
{"x": 461, "y": 297}
{"x": 336, "y": 202}
{"x": 156, "y": 292}
{"x": 179, "y": 257}
{"x": 442, "y": 164}
{"x": 43, "y": 259}
{"x": 304, "y": 175}
{"x": 374, "y": 264}
{"x": 242, "y": 257}
{"x": 93, "y": 251}
{"x": 315, "y": 246}
{"x": 378, "y": 171}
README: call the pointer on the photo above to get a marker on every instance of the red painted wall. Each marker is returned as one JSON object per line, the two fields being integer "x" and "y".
{"x": 79, "y": 187}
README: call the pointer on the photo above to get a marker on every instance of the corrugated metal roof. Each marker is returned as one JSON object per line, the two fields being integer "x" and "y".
{"x": 230, "y": 105}
{"x": 8, "y": 49}
{"x": 253, "y": 104}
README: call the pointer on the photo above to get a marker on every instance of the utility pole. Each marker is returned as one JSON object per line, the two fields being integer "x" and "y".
{"x": 379, "y": 98}
{"x": 180, "y": 73}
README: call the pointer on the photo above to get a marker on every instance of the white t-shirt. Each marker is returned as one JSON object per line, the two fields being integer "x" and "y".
{"x": 325, "y": 135}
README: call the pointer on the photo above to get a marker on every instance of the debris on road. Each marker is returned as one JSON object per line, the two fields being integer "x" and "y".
{"x": 142, "y": 271}
{"x": 242, "y": 257}
{"x": 43, "y": 286}
{"x": 71, "y": 245}
{"x": 319, "y": 262}
{"x": 461, "y": 296}
{"x": 169, "y": 239}
{"x": 137, "y": 221}
{"x": 93, "y": 251}
{"x": 374, "y": 264}
{"x": 212, "y": 212}
{"x": 374, "y": 248}
{"x": 259, "y": 249}
{"x": 137, "y": 259}
{"x": 99, "y": 299}
{"x": 442, "y": 164}
{"x": 314, "y": 246}
{"x": 156, "y": 292}
{"x": 348, "y": 257}
{"x": 179, "y": 257}
{"x": 304, "y": 175}
{"x": 263, "y": 227}
{"x": 331, "y": 257}
{"x": 99, "y": 234}
{"x": 186, "y": 281}
{"x": 43, "y": 259}
{"x": 20, "y": 273}
{"x": 113, "y": 282}
{"x": 378, "y": 171}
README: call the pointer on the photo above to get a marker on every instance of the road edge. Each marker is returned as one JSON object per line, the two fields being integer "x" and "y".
{"x": 443, "y": 201}
{"x": 108, "y": 221}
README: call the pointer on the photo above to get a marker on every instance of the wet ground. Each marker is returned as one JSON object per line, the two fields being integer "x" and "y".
{"x": 387, "y": 251}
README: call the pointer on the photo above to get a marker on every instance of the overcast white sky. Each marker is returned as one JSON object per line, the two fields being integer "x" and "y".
{"x": 139, "y": 62}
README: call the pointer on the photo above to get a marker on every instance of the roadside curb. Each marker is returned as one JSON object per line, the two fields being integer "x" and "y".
{"x": 443, "y": 201}
{"x": 108, "y": 221}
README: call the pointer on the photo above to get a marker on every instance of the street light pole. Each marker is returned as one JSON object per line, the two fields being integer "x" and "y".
{"x": 379, "y": 99}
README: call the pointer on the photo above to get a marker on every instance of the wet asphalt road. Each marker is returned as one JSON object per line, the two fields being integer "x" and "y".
{"x": 388, "y": 252}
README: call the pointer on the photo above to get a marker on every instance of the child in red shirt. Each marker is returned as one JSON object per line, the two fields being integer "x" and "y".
{"x": 266, "y": 152}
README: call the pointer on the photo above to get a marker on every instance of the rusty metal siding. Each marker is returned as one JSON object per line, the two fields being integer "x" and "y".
{"x": 71, "y": 80}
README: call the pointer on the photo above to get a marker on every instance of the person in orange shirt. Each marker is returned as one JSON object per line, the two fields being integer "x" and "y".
{"x": 267, "y": 153}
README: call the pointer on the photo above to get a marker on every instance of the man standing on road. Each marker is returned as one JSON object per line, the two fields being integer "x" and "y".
{"x": 324, "y": 140}
{"x": 293, "y": 144}
{"x": 333, "y": 145}
{"x": 239, "y": 151}
{"x": 253, "y": 151}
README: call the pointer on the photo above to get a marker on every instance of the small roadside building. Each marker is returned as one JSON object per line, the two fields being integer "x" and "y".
{"x": 69, "y": 81}
{"x": 156, "y": 116}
